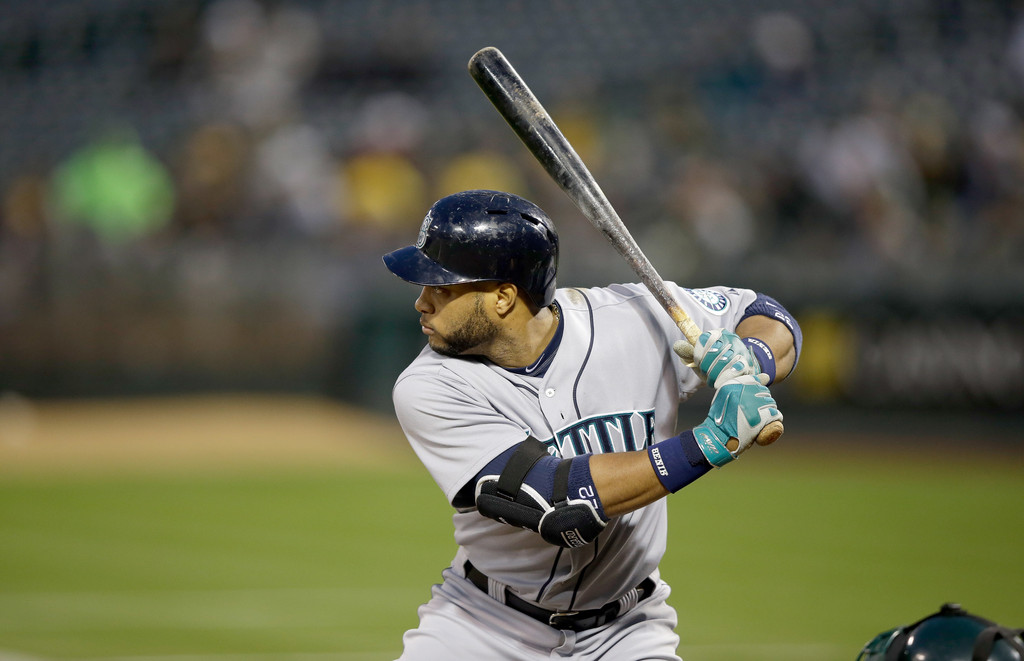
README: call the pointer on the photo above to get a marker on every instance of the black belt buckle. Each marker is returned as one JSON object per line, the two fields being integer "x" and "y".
{"x": 583, "y": 620}
{"x": 563, "y": 620}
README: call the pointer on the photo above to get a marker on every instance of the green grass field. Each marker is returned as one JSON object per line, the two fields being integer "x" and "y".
{"x": 803, "y": 553}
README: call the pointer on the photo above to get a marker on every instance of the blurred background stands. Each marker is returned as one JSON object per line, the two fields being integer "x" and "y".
{"x": 866, "y": 158}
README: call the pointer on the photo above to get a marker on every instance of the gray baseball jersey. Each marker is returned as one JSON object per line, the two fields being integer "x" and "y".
{"x": 614, "y": 385}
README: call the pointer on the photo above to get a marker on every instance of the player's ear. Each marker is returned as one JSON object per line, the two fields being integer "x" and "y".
{"x": 505, "y": 298}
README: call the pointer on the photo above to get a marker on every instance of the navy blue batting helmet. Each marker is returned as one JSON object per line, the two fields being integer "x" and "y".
{"x": 483, "y": 235}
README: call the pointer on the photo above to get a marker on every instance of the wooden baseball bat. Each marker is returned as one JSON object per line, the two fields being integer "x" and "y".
{"x": 534, "y": 126}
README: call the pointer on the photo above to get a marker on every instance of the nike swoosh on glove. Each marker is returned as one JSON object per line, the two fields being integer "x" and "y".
{"x": 740, "y": 409}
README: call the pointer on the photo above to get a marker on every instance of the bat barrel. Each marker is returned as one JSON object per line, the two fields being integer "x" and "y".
{"x": 530, "y": 121}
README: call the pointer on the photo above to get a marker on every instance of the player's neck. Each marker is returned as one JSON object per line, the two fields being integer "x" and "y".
{"x": 526, "y": 338}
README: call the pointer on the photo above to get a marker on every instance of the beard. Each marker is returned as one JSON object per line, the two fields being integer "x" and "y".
{"x": 474, "y": 332}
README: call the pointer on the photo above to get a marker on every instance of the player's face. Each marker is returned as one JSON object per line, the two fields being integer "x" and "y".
{"x": 454, "y": 319}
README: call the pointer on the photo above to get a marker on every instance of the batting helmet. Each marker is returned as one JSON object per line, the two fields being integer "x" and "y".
{"x": 480, "y": 235}
{"x": 952, "y": 634}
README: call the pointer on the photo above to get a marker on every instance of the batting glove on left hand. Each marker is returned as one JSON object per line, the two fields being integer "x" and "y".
{"x": 719, "y": 357}
{"x": 739, "y": 411}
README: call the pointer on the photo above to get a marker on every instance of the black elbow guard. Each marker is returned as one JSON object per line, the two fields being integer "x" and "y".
{"x": 571, "y": 525}
{"x": 508, "y": 498}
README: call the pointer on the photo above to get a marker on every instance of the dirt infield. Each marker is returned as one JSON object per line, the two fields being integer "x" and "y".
{"x": 194, "y": 432}
{"x": 220, "y": 432}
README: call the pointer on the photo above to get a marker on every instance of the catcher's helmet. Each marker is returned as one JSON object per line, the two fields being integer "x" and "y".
{"x": 480, "y": 235}
{"x": 952, "y": 634}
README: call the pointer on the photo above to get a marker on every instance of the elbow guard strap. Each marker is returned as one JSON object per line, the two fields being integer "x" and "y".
{"x": 533, "y": 492}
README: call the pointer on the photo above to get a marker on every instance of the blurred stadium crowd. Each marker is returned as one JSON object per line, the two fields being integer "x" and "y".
{"x": 195, "y": 193}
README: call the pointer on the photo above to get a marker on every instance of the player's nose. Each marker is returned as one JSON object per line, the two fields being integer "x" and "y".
{"x": 422, "y": 304}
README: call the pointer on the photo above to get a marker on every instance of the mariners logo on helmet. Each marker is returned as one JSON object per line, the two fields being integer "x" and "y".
{"x": 421, "y": 239}
{"x": 482, "y": 235}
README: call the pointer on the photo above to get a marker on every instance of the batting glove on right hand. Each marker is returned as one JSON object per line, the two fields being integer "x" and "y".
{"x": 740, "y": 409}
{"x": 720, "y": 356}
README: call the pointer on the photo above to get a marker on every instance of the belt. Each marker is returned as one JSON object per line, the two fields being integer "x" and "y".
{"x": 571, "y": 620}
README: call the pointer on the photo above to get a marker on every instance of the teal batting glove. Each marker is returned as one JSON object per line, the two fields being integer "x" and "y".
{"x": 718, "y": 357}
{"x": 740, "y": 409}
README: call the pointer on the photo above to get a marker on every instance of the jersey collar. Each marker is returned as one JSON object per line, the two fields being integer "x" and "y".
{"x": 540, "y": 366}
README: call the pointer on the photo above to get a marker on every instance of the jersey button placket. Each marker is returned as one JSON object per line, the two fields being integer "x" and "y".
{"x": 550, "y": 407}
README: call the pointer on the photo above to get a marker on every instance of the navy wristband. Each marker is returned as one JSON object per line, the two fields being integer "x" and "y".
{"x": 764, "y": 355}
{"x": 678, "y": 461}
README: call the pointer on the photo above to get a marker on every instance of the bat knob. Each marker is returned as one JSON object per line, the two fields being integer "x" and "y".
{"x": 771, "y": 433}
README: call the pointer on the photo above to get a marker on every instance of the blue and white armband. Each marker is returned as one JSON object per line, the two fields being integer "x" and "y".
{"x": 768, "y": 307}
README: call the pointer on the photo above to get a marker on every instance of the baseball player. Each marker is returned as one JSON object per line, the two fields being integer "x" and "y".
{"x": 548, "y": 419}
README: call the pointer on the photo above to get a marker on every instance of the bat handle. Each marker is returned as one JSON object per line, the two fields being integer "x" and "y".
{"x": 690, "y": 330}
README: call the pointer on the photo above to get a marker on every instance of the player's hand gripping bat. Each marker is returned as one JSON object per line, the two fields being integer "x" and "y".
{"x": 534, "y": 126}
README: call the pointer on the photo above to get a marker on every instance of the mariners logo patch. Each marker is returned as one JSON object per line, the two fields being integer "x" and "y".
{"x": 714, "y": 301}
{"x": 421, "y": 239}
